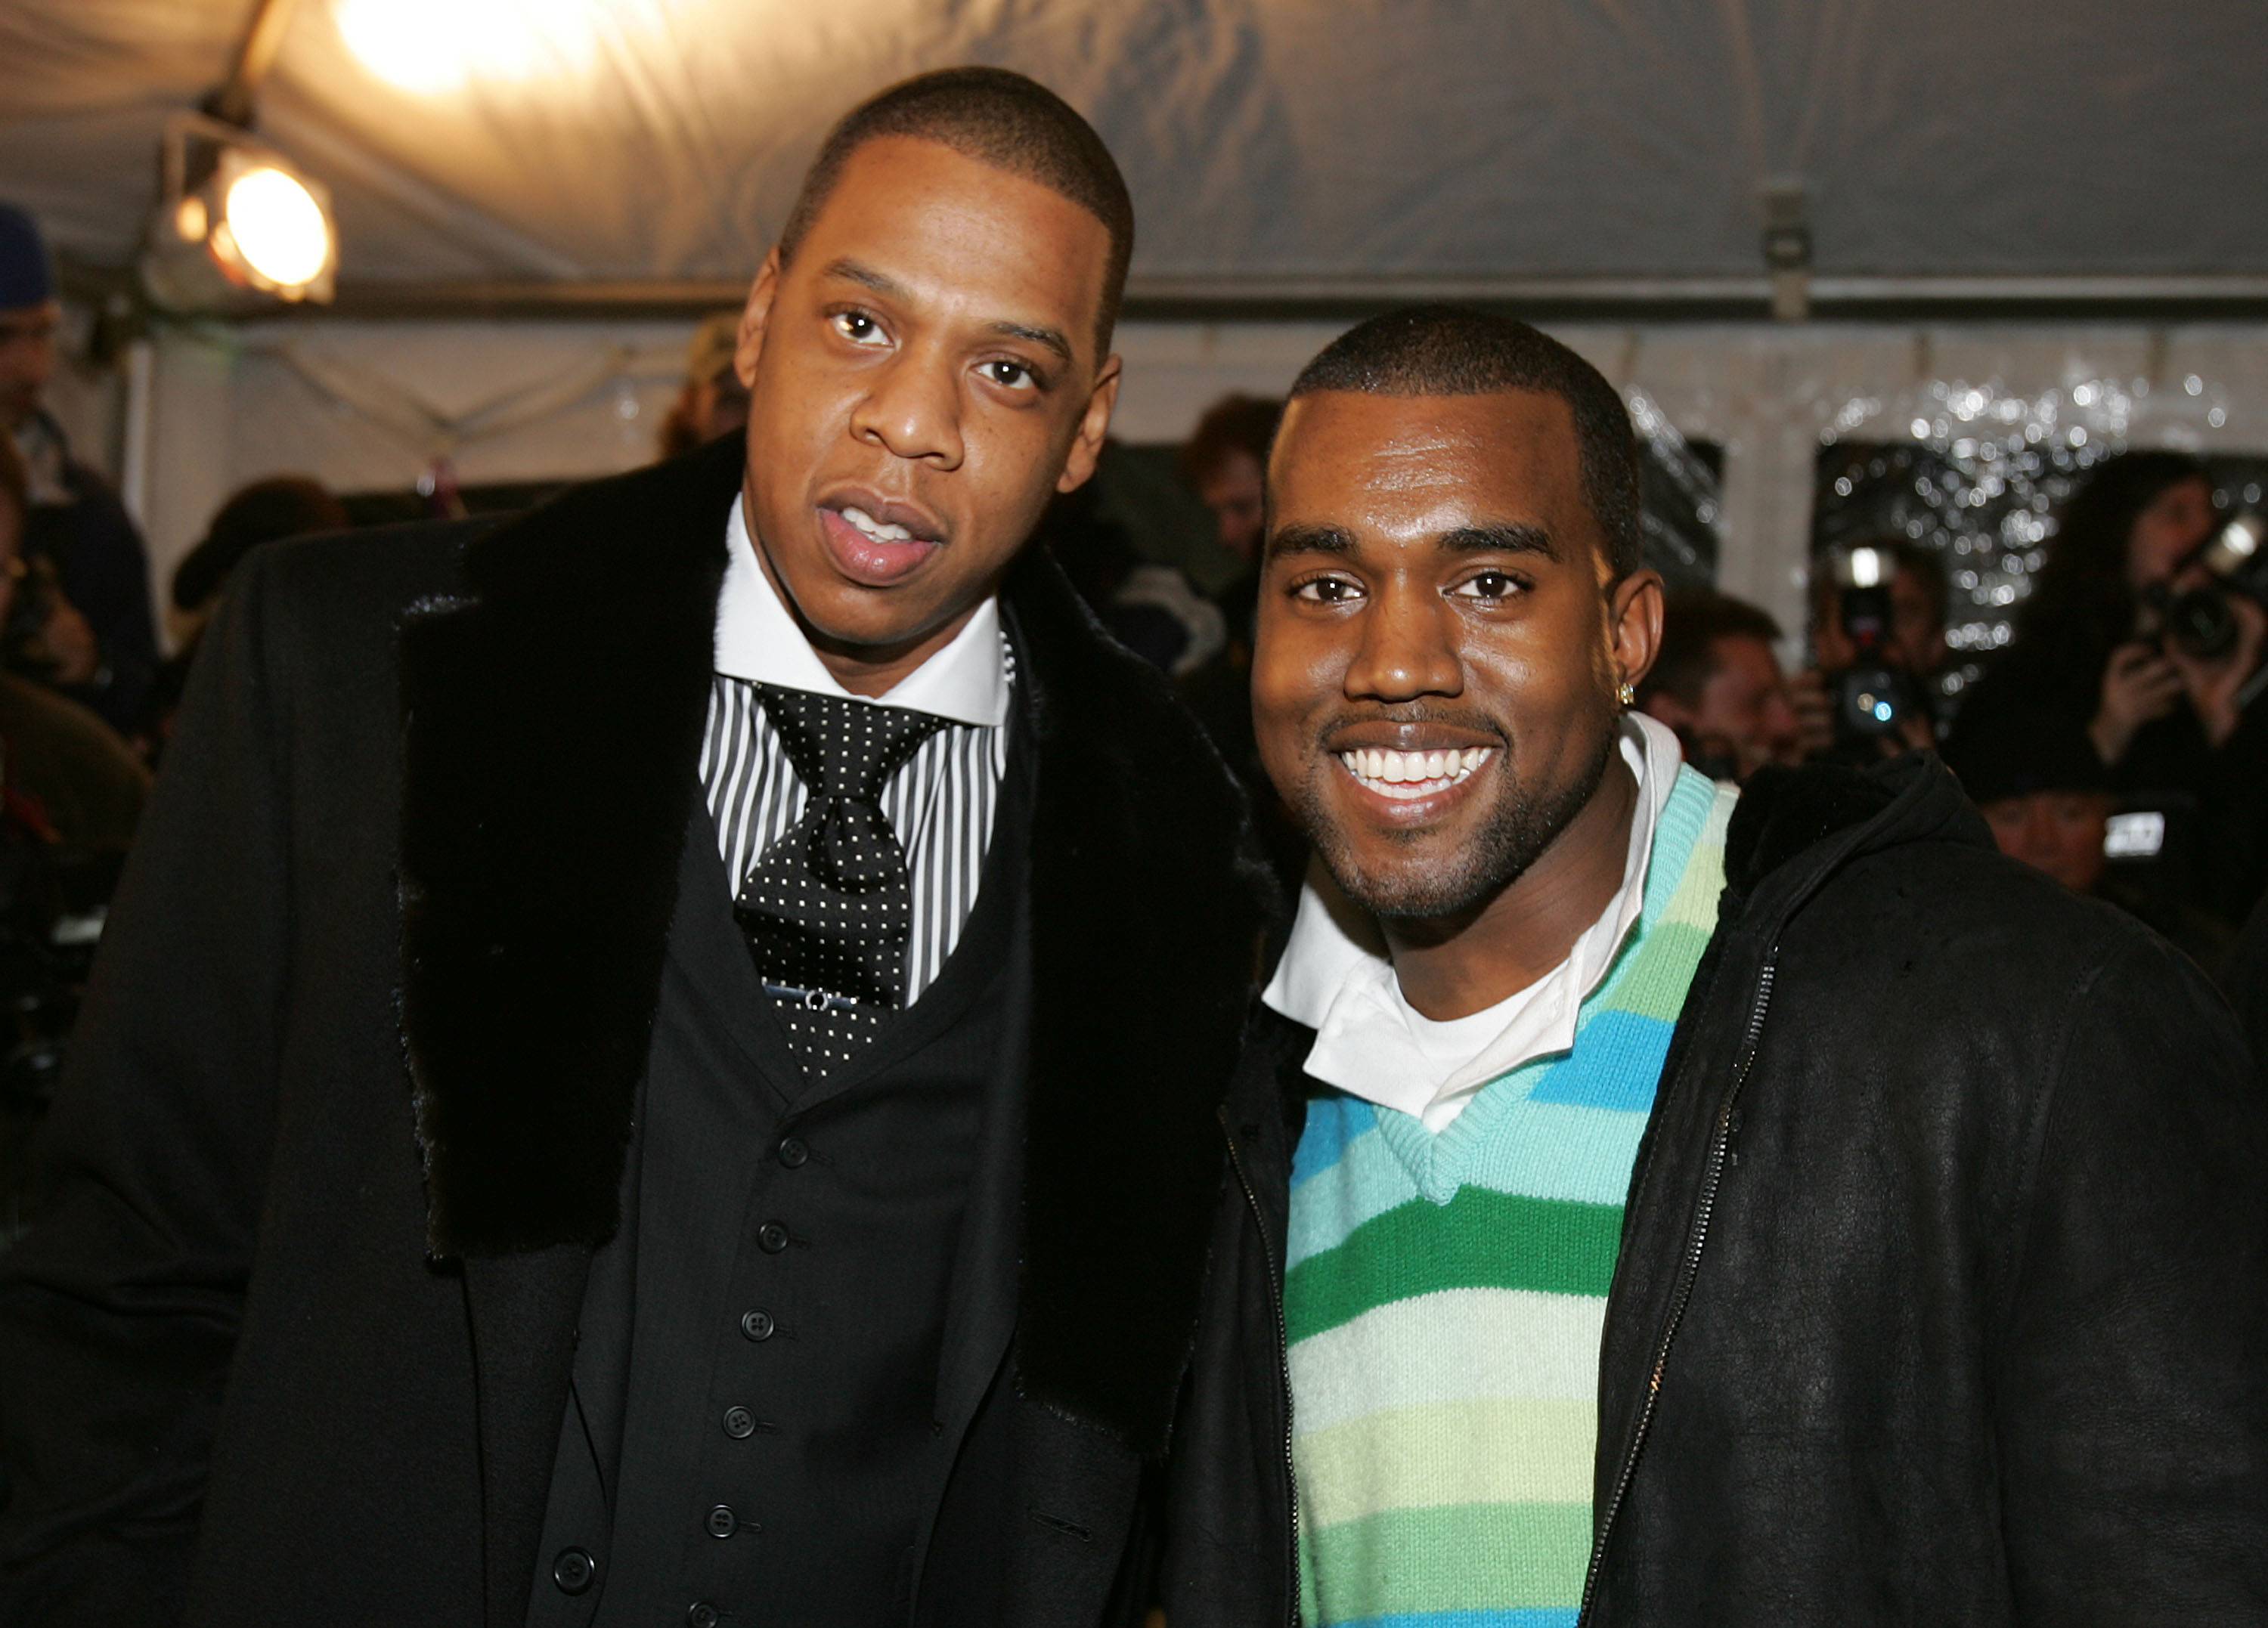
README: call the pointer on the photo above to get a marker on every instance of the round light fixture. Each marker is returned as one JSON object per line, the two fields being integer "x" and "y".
{"x": 278, "y": 226}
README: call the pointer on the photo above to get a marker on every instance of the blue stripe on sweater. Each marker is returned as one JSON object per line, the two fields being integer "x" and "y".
{"x": 1333, "y": 1122}
{"x": 1616, "y": 1064}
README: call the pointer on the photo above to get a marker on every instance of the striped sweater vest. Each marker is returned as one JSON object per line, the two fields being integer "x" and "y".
{"x": 1445, "y": 1294}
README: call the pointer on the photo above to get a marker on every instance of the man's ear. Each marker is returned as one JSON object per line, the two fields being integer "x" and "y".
{"x": 755, "y": 317}
{"x": 1634, "y": 625}
{"x": 1094, "y": 429}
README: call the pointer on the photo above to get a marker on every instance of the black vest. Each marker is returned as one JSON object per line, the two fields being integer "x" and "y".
{"x": 762, "y": 1423}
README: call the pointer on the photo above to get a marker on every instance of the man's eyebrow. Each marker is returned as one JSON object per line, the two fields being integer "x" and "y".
{"x": 1051, "y": 338}
{"x": 1310, "y": 539}
{"x": 1509, "y": 537}
{"x": 867, "y": 277}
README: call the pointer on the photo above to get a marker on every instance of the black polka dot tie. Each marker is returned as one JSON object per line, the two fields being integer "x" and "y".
{"x": 828, "y": 908}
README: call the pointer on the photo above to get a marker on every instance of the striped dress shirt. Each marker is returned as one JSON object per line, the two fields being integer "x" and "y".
{"x": 940, "y": 802}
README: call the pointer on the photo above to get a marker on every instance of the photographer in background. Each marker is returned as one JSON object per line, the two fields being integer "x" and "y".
{"x": 70, "y": 795}
{"x": 2035, "y": 775}
{"x": 1718, "y": 683}
{"x": 2167, "y": 713}
{"x": 64, "y": 773}
{"x": 97, "y": 641}
{"x": 1878, "y": 613}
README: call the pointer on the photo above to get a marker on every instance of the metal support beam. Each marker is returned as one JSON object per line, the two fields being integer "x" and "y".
{"x": 1888, "y": 298}
{"x": 255, "y": 54}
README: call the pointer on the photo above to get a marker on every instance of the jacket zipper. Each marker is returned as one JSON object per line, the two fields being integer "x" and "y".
{"x": 1283, "y": 1363}
{"x": 1711, "y": 1177}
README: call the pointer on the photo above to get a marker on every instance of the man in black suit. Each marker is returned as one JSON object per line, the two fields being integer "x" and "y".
{"x": 660, "y": 1061}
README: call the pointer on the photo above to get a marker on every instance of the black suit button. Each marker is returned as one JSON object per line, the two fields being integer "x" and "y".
{"x": 573, "y": 1569}
{"x": 771, "y": 1238}
{"x": 739, "y": 1424}
{"x": 792, "y": 1152}
{"x": 758, "y": 1324}
{"x": 722, "y": 1522}
{"x": 701, "y": 1614}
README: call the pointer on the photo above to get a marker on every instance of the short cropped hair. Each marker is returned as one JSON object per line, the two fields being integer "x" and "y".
{"x": 1447, "y": 350}
{"x": 998, "y": 118}
{"x": 1692, "y": 626}
{"x": 1236, "y": 423}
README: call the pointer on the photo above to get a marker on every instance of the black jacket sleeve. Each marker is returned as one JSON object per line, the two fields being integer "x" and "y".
{"x": 120, "y": 1309}
{"x": 2131, "y": 1371}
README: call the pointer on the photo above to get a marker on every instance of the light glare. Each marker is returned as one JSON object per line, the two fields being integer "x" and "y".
{"x": 278, "y": 227}
{"x": 428, "y": 46}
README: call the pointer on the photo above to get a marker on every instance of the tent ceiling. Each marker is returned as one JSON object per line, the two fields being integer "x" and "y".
{"x": 1270, "y": 144}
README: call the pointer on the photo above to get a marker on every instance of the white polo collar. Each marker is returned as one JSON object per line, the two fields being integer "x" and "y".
{"x": 758, "y": 639}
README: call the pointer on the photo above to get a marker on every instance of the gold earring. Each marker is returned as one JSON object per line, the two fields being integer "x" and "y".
{"x": 1626, "y": 695}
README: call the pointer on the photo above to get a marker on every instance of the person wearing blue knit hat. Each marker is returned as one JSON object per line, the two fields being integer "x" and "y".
{"x": 28, "y": 316}
{"x": 98, "y": 642}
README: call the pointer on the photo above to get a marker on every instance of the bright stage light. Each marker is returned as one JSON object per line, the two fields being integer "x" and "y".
{"x": 235, "y": 221}
{"x": 428, "y": 46}
{"x": 278, "y": 226}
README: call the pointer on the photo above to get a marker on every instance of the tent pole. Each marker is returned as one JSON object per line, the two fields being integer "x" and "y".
{"x": 264, "y": 37}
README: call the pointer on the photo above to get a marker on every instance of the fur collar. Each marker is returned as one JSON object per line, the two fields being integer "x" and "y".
{"x": 552, "y": 722}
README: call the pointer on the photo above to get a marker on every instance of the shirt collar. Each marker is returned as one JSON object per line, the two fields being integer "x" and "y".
{"x": 1336, "y": 977}
{"x": 757, "y": 639}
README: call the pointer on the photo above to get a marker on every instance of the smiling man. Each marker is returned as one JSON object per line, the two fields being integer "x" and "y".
{"x": 1684, "y": 1205}
{"x": 660, "y": 1061}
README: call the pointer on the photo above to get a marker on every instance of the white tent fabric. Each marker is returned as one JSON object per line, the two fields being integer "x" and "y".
{"x": 1274, "y": 147}
{"x": 1263, "y": 139}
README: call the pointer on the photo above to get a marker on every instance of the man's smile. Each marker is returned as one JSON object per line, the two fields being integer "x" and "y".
{"x": 1409, "y": 776}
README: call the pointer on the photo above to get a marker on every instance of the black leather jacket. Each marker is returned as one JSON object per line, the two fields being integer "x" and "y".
{"x": 1943, "y": 1287}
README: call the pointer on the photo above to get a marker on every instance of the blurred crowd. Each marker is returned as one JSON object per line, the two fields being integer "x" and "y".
{"x": 2118, "y": 744}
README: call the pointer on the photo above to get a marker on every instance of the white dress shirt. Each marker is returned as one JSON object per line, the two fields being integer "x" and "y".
{"x": 1336, "y": 977}
{"x": 939, "y": 804}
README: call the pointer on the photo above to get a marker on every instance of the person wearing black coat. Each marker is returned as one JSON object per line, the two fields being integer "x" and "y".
{"x": 452, "y": 1215}
{"x": 1941, "y": 1291}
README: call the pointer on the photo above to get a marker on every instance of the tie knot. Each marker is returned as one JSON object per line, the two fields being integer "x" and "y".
{"x": 843, "y": 749}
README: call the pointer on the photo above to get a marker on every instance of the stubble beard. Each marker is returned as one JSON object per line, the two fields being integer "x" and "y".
{"x": 1525, "y": 822}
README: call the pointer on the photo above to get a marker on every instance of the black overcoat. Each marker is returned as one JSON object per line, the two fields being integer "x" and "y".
{"x": 289, "y": 1338}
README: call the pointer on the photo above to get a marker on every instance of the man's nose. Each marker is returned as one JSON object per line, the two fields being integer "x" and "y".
{"x": 914, "y": 410}
{"x": 1407, "y": 649}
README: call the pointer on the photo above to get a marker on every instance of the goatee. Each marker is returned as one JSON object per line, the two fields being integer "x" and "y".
{"x": 1526, "y": 822}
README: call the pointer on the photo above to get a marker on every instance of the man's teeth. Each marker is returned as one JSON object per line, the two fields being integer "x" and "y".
{"x": 875, "y": 529}
{"x": 1413, "y": 773}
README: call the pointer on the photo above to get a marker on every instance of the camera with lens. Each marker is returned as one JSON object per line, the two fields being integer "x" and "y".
{"x": 1872, "y": 698}
{"x": 2201, "y": 619}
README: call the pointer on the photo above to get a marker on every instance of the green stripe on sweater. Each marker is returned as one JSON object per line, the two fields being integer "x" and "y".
{"x": 1464, "y": 1557}
{"x": 1479, "y": 1240}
